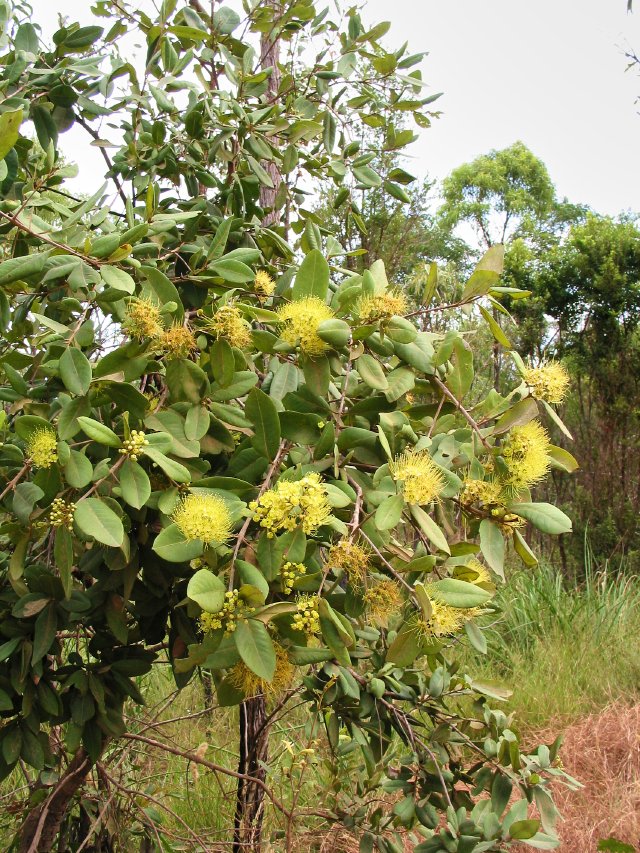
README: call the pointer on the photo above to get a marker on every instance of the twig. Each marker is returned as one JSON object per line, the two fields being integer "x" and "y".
{"x": 469, "y": 419}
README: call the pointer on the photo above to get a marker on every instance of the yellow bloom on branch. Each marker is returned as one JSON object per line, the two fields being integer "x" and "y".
{"x": 526, "y": 452}
{"x": 177, "y": 342}
{"x": 382, "y": 306}
{"x": 383, "y": 600}
{"x": 263, "y": 284}
{"x": 244, "y": 679}
{"x": 300, "y": 321}
{"x": 143, "y": 319}
{"x": 228, "y": 323}
{"x": 291, "y": 504}
{"x": 42, "y": 448}
{"x": 421, "y": 479}
{"x": 481, "y": 571}
{"x": 204, "y": 517}
{"x": 289, "y": 573}
{"x": 351, "y": 558}
{"x": 444, "y": 621}
{"x": 307, "y": 619}
{"x": 483, "y": 492}
{"x": 550, "y": 381}
{"x": 61, "y": 513}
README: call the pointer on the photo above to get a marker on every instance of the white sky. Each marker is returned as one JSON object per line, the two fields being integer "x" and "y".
{"x": 548, "y": 72}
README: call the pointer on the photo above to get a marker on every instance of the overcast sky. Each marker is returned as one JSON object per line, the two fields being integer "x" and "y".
{"x": 548, "y": 72}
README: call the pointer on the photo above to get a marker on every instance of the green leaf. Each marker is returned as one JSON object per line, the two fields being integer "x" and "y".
{"x": 256, "y": 648}
{"x": 492, "y": 546}
{"x": 518, "y": 415}
{"x": 16, "y": 269}
{"x": 458, "y": 593}
{"x": 9, "y": 130}
{"x": 99, "y": 432}
{"x": 312, "y": 278}
{"x": 523, "y": 829}
{"x": 262, "y": 412}
{"x": 430, "y": 529}
{"x": 162, "y": 290}
{"x": 460, "y": 377}
{"x": 118, "y": 279}
{"x": 405, "y": 648}
{"x": 134, "y": 484}
{"x": 78, "y": 471}
{"x": 225, "y": 20}
{"x": 177, "y": 472}
{"x": 612, "y": 845}
{"x": 75, "y": 371}
{"x": 44, "y": 632}
{"x": 234, "y": 271}
{"x": 372, "y": 373}
{"x": 562, "y": 459}
{"x": 171, "y": 545}
{"x": 25, "y": 497}
{"x": 95, "y": 520}
{"x": 476, "y": 637}
{"x": 544, "y": 516}
{"x": 63, "y": 556}
{"x": 389, "y": 512}
{"x": 207, "y": 590}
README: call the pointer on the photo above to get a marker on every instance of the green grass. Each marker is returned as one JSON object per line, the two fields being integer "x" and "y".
{"x": 564, "y": 649}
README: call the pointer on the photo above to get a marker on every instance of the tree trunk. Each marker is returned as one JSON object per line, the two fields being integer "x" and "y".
{"x": 42, "y": 824}
{"x": 254, "y": 752}
{"x": 254, "y": 736}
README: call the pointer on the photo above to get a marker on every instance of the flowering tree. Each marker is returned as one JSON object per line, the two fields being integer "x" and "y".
{"x": 224, "y": 449}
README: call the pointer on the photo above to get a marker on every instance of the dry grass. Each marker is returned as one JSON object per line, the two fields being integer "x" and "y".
{"x": 601, "y": 750}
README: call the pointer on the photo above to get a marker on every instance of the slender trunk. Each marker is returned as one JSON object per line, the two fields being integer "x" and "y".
{"x": 42, "y": 824}
{"x": 254, "y": 736}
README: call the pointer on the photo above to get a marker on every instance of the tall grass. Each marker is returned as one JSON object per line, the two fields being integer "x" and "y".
{"x": 565, "y": 649}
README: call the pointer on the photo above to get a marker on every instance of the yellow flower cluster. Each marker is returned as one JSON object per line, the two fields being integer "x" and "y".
{"x": 482, "y": 573}
{"x": 383, "y": 600}
{"x": 300, "y": 321}
{"x": 289, "y": 573}
{"x": 421, "y": 478}
{"x": 351, "y": 558}
{"x": 291, "y": 504}
{"x": 526, "y": 452}
{"x": 61, "y": 513}
{"x": 134, "y": 446}
{"x": 177, "y": 342}
{"x": 233, "y": 610}
{"x": 382, "y": 306}
{"x": 244, "y": 679}
{"x": 307, "y": 619}
{"x": 550, "y": 381}
{"x": 483, "y": 492}
{"x": 204, "y": 517}
{"x": 445, "y": 620}
{"x": 263, "y": 284}
{"x": 143, "y": 319}
{"x": 228, "y": 323}
{"x": 42, "y": 448}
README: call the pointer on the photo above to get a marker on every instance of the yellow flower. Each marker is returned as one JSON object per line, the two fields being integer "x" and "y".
{"x": 421, "y": 478}
{"x": 263, "y": 284}
{"x": 293, "y": 503}
{"x": 307, "y": 619}
{"x": 244, "y": 679}
{"x": 233, "y": 610}
{"x": 134, "y": 446}
{"x": 300, "y": 321}
{"x": 526, "y": 452}
{"x": 177, "y": 342}
{"x": 382, "y": 600}
{"x": 228, "y": 323}
{"x": 482, "y": 492}
{"x": 351, "y": 558}
{"x": 61, "y": 514}
{"x": 445, "y": 621}
{"x": 143, "y": 319}
{"x": 289, "y": 573}
{"x": 550, "y": 381}
{"x": 381, "y": 306}
{"x": 482, "y": 573}
{"x": 204, "y": 517}
{"x": 42, "y": 448}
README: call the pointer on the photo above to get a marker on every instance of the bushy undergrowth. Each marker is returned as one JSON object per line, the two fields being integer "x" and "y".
{"x": 565, "y": 649}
